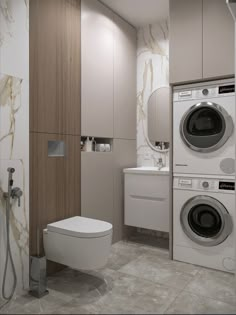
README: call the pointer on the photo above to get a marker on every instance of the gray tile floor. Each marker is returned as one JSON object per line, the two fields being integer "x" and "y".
{"x": 138, "y": 279}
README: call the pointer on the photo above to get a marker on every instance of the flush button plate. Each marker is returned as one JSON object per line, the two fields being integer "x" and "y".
{"x": 56, "y": 148}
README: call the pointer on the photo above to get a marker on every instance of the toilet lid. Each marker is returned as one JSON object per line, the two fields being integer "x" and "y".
{"x": 81, "y": 227}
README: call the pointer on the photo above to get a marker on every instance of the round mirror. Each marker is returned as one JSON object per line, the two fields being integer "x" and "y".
{"x": 158, "y": 125}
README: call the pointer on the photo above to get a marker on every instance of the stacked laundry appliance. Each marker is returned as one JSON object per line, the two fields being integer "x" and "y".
{"x": 204, "y": 174}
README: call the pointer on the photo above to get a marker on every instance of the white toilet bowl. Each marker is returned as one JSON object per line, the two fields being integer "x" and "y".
{"x": 79, "y": 243}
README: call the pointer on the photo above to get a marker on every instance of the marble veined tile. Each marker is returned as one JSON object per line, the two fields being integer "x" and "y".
{"x": 133, "y": 295}
{"x": 217, "y": 285}
{"x": 122, "y": 253}
{"x": 14, "y": 133}
{"x": 189, "y": 303}
{"x": 162, "y": 271}
{"x": 152, "y": 73}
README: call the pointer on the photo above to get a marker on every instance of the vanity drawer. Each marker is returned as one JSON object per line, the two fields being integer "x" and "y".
{"x": 147, "y": 201}
{"x": 147, "y": 185}
{"x": 147, "y": 213}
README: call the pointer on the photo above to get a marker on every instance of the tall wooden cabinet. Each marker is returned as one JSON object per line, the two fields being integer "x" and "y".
{"x": 218, "y": 39}
{"x": 201, "y": 40}
{"x": 108, "y": 73}
{"x": 108, "y": 111}
{"x": 55, "y": 104}
{"x": 185, "y": 40}
{"x": 54, "y": 182}
{"x": 125, "y": 64}
{"x": 55, "y": 66}
{"x": 97, "y": 70}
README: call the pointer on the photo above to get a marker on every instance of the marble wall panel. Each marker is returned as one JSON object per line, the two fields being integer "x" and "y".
{"x": 14, "y": 133}
{"x": 152, "y": 73}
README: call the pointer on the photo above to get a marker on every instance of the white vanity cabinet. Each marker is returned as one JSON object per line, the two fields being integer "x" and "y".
{"x": 147, "y": 198}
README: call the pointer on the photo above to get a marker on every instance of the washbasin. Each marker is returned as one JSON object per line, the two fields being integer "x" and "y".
{"x": 148, "y": 170}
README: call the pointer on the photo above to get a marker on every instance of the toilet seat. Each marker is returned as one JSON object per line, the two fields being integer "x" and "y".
{"x": 81, "y": 227}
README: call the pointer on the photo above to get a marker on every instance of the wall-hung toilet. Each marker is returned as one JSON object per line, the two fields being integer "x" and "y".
{"x": 79, "y": 243}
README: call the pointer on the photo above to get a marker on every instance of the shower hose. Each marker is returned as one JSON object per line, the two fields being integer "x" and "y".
{"x": 5, "y": 296}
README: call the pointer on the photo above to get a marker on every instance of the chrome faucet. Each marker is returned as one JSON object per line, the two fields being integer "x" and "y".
{"x": 15, "y": 192}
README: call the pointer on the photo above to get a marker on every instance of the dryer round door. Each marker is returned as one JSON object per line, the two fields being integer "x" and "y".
{"x": 206, "y": 127}
{"x": 206, "y": 221}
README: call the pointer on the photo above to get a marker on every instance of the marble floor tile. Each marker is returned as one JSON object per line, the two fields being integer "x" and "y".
{"x": 218, "y": 285}
{"x": 45, "y": 305}
{"x": 138, "y": 279}
{"x": 131, "y": 295}
{"x": 163, "y": 271}
{"x": 188, "y": 303}
{"x": 125, "y": 294}
{"x": 122, "y": 253}
{"x": 78, "y": 284}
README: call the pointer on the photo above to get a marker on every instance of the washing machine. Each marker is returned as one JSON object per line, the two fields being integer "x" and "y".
{"x": 204, "y": 220}
{"x": 204, "y": 135}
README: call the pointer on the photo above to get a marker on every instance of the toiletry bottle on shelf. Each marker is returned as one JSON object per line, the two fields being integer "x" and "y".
{"x": 82, "y": 146}
{"x": 93, "y": 144}
{"x": 88, "y": 145}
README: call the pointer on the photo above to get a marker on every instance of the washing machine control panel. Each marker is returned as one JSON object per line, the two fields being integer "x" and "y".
{"x": 205, "y": 92}
{"x": 204, "y": 184}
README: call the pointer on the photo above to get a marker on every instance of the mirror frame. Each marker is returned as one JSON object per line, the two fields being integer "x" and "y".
{"x": 146, "y": 129}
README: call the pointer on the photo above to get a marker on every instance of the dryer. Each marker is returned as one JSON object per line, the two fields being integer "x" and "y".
{"x": 204, "y": 135}
{"x": 204, "y": 221}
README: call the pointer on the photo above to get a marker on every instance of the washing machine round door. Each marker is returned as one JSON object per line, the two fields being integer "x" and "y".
{"x": 206, "y": 127}
{"x": 206, "y": 221}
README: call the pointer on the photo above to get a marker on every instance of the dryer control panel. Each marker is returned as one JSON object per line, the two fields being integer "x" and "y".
{"x": 204, "y": 184}
{"x": 204, "y": 92}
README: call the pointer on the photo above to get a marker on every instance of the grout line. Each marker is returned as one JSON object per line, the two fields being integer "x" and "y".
{"x": 173, "y": 302}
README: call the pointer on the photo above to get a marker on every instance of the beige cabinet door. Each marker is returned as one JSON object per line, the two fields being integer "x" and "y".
{"x": 218, "y": 39}
{"x": 125, "y": 50}
{"x": 124, "y": 157}
{"x": 97, "y": 186}
{"x": 185, "y": 40}
{"x": 97, "y": 69}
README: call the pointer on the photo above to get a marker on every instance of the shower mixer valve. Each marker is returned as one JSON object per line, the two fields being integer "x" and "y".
{"x": 14, "y": 193}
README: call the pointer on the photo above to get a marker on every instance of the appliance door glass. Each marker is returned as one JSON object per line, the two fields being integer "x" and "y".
{"x": 206, "y": 221}
{"x": 206, "y": 127}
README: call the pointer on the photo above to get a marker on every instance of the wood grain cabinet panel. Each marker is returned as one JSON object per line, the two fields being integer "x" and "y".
{"x": 218, "y": 39}
{"x": 97, "y": 186}
{"x": 55, "y": 63}
{"x": 54, "y": 184}
{"x": 97, "y": 69}
{"x": 185, "y": 40}
{"x": 125, "y": 63}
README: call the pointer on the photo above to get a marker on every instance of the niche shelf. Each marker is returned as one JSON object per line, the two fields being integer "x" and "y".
{"x": 101, "y": 145}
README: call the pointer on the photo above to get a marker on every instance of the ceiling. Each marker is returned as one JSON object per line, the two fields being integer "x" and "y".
{"x": 140, "y": 12}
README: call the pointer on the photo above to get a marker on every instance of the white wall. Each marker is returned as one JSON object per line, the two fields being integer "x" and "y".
{"x": 153, "y": 73}
{"x": 14, "y": 132}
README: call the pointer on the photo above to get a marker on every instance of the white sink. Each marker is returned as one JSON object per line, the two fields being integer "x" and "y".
{"x": 147, "y": 170}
